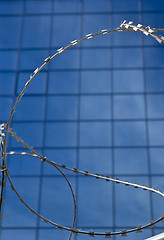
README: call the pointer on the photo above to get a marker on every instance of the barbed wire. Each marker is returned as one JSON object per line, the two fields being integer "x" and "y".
{"x": 86, "y": 173}
{"x": 124, "y": 26}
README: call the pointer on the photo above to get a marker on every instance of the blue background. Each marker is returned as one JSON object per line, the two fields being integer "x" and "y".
{"x": 96, "y": 107}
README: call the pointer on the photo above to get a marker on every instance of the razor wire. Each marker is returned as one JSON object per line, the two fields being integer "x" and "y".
{"x": 124, "y": 26}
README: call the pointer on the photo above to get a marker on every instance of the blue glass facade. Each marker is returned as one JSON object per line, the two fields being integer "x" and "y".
{"x": 97, "y": 107}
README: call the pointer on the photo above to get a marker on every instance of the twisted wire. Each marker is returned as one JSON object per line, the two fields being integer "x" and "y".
{"x": 124, "y": 26}
{"x": 6, "y": 170}
{"x": 86, "y": 173}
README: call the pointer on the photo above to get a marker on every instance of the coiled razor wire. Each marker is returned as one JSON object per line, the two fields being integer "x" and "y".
{"x": 124, "y": 26}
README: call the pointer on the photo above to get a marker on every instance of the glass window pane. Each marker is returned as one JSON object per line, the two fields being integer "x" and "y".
{"x": 156, "y": 133}
{"x": 30, "y": 108}
{"x": 95, "y": 160}
{"x": 18, "y": 234}
{"x": 96, "y": 58}
{"x": 50, "y": 233}
{"x": 95, "y": 202}
{"x": 133, "y": 58}
{"x": 10, "y": 26}
{"x": 95, "y": 107}
{"x": 103, "y": 6}
{"x": 31, "y": 59}
{"x": 63, "y": 82}
{"x": 119, "y": 17}
{"x": 55, "y": 191}
{"x": 66, "y": 60}
{"x": 126, "y": 39}
{"x": 131, "y": 161}
{"x": 23, "y": 165}
{"x": 65, "y": 29}
{"x": 15, "y": 213}
{"x": 155, "y": 5}
{"x": 95, "y": 81}
{"x": 11, "y": 7}
{"x": 130, "y": 197}
{"x": 36, "y": 31}
{"x": 25, "y": 131}
{"x": 65, "y": 157}
{"x": 32, "y": 6}
{"x": 128, "y": 81}
{"x": 92, "y": 24}
{"x": 154, "y": 80}
{"x": 61, "y": 134}
{"x": 158, "y": 207}
{"x": 121, "y": 6}
{"x": 129, "y": 107}
{"x": 62, "y": 108}
{"x": 5, "y": 108}
{"x": 8, "y": 60}
{"x": 71, "y": 6}
{"x": 154, "y": 57}
{"x": 155, "y": 106}
{"x": 156, "y": 160}
{"x": 95, "y": 134}
{"x": 154, "y": 20}
{"x": 158, "y": 231}
{"x": 37, "y": 85}
{"x": 7, "y": 83}
{"x": 129, "y": 133}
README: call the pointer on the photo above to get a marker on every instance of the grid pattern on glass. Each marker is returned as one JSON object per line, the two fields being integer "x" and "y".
{"x": 92, "y": 90}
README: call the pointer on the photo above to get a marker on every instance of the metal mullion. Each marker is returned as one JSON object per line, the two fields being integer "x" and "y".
{"x": 16, "y": 79}
{"x": 78, "y": 47}
{"x": 82, "y": 176}
{"x": 84, "y": 69}
{"x": 44, "y": 127}
{"x": 146, "y": 117}
{"x": 94, "y": 147}
{"x": 51, "y": 227}
{"x": 112, "y": 131}
{"x": 83, "y": 94}
{"x": 79, "y": 107}
{"x": 84, "y": 13}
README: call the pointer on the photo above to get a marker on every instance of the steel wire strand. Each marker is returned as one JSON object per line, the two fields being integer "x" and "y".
{"x": 6, "y": 170}
{"x": 107, "y": 178}
{"x": 87, "y": 173}
{"x": 123, "y": 27}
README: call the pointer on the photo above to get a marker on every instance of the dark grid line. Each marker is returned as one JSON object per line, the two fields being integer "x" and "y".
{"x": 146, "y": 117}
{"x": 92, "y": 175}
{"x": 78, "y": 113}
{"x": 77, "y": 13}
{"x": 112, "y": 130}
{"x": 84, "y": 47}
{"x": 82, "y": 227}
{"x": 93, "y": 147}
{"x": 85, "y": 94}
{"x": 111, "y": 95}
{"x": 82, "y": 176}
{"x": 15, "y": 85}
{"x": 84, "y": 69}
{"x": 90, "y": 120}
{"x": 44, "y": 126}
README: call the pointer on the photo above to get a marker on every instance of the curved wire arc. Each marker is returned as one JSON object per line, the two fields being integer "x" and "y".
{"x": 123, "y": 27}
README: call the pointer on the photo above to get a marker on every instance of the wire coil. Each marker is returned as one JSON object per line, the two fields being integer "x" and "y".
{"x": 124, "y": 26}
